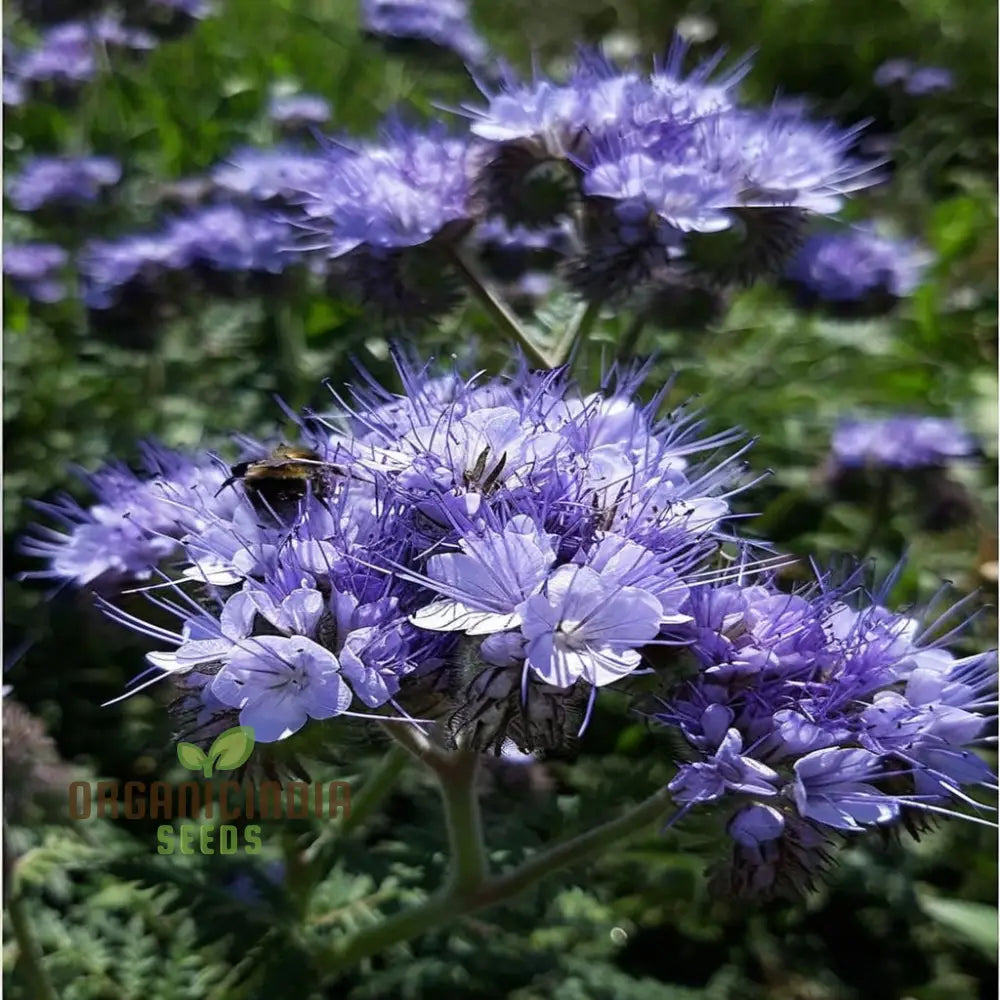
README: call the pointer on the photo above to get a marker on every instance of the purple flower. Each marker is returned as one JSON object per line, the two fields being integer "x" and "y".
{"x": 136, "y": 524}
{"x": 779, "y": 159}
{"x": 585, "y": 627}
{"x": 686, "y": 197}
{"x": 265, "y": 174}
{"x": 67, "y": 53}
{"x": 278, "y": 683}
{"x": 929, "y": 80}
{"x": 832, "y": 787}
{"x": 914, "y": 80}
{"x": 108, "y": 266}
{"x": 858, "y": 264}
{"x": 756, "y": 824}
{"x": 35, "y": 270}
{"x": 390, "y": 196}
{"x": 853, "y": 716}
{"x": 542, "y": 112}
{"x": 52, "y": 179}
{"x": 893, "y": 71}
{"x": 297, "y": 110}
{"x": 493, "y": 575}
{"x": 602, "y": 101}
{"x": 444, "y": 23}
{"x": 727, "y": 770}
{"x": 901, "y": 442}
{"x": 230, "y": 238}
{"x": 220, "y": 237}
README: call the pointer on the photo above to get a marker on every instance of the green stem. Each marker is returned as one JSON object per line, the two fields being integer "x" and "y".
{"x": 323, "y": 851}
{"x": 29, "y": 952}
{"x": 456, "y": 901}
{"x": 501, "y": 313}
{"x": 571, "y": 852}
{"x": 627, "y": 347}
{"x": 286, "y": 333}
{"x": 576, "y": 331}
{"x": 881, "y": 508}
{"x": 465, "y": 825}
{"x": 379, "y": 784}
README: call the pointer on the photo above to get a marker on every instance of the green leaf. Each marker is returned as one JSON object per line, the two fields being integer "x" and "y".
{"x": 232, "y": 748}
{"x": 975, "y": 922}
{"x": 190, "y": 756}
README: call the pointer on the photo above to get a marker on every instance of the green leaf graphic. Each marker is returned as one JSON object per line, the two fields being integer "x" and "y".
{"x": 232, "y": 748}
{"x": 190, "y": 756}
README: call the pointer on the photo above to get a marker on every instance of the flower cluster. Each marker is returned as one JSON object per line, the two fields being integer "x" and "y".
{"x": 217, "y": 237}
{"x": 662, "y": 159}
{"x": 67, "y": 55}
{"x": 819, "y": 714}
{"x": 659, "y": 187}
{"x": 443, "y": 24}
{"x": 538, "y": 536}
{"x": 36, "y": 270}
{"x": 917, "y": 81}
{"x": 490, "y": 553}
{"x": 857, "y": 269}
{"x": 901, "y": 442}
{"x": 61, "y": 180}
{"x": 278, "y": 174}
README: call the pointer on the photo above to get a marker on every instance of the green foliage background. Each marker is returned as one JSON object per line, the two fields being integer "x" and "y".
{"x": 115, "y": 920}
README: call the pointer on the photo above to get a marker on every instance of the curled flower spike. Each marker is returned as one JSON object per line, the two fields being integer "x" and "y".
{"x": 818, "y": 715}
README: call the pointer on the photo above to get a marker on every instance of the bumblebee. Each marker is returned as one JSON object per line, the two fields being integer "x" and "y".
{"x": 276, "y": 484}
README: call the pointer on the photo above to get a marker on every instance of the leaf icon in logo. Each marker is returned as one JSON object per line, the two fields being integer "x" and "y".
{"x": 232, "y": 748}
{"x": 191, "y": 757}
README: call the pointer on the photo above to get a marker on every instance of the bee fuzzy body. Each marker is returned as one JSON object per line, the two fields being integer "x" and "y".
{"x": 277, "y": 484}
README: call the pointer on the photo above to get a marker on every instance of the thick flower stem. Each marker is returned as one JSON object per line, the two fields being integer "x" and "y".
{"x": 461, "y": 897}
{"x": 501, "y": 313}
{"x": 465, "y": 825}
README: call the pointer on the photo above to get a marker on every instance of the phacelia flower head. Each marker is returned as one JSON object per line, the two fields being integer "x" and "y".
{"x": 267, "y": 174}
{"x": 44, "y": 180}
{"x": 108, "y": 267}
{"x": 67, "y": 53}
{"x": 137, "y": 521}
{"x": 780, "y": 159}
{"x": 642, "y": 183}
{"x": 374, "y": 204}
{"x": 231, "y": 238}
{"x": 217, "y": 237}
{"x": 913, "y": 79}
{"x": 901, "y": 442}
{"x": 444, "y": 24}
{"x": 35, "y": 269}
{"x": 858, "y": 269}
{"x": 818, "y": 715}
{"x": 549, "y": 536}
{"x": 390, "y": 195}
{"x": 297, "y": 110}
